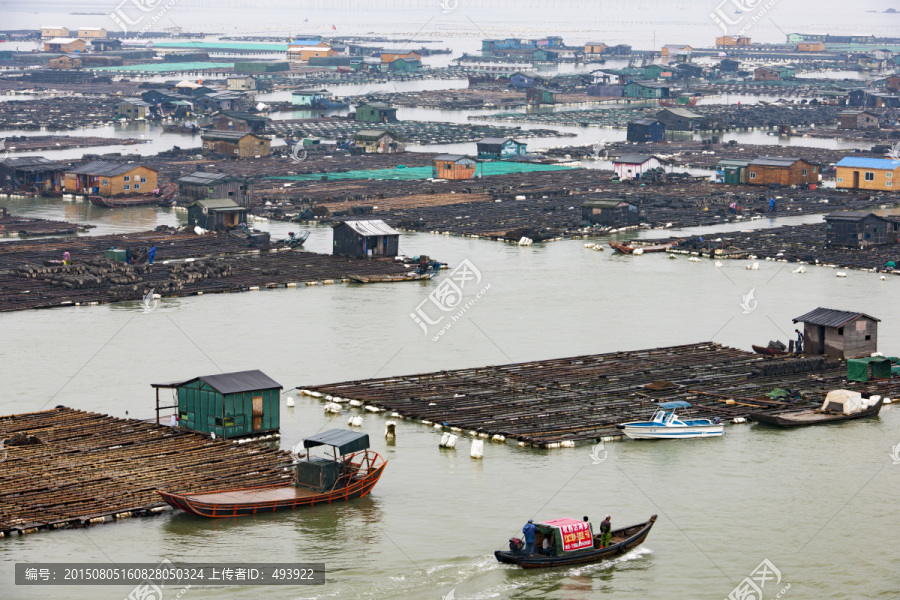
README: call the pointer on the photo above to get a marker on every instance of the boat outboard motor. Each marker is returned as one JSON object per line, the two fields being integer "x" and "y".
{"x": 516, "y": 545}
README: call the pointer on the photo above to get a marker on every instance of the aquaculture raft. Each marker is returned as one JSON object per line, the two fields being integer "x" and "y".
{"x": 89, "y": 468}
{"x": 582, "y": 398}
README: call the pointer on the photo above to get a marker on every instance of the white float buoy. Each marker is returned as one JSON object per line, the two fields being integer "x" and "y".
{"x": 448, "y": 440}
{"x": 567, "y": 444}
{"x": 477, "y": 450}
{"x": 800, "y": 269}
{"x": 886, "y": 401}
{"x": 883, "y": 277}
{"x": 290, "y": 401}
{"x": 840, "y": 274}
{"x": 498, "y": 438}
{"x": 355, "y": 421}
{"x": 356, "y": 403}
{"x": 373, "y": 409}
{"x": 333, "y": 408}
{"x": 390, "y": 430}
{"x": 737, "y": 420}
{"x": 718, "y": 264}
{"x": 638, "y": 251}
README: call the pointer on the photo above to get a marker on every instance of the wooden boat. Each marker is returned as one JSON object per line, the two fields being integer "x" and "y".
{"x": 589, "y": 550}
{"x": 665, "y": 424}
{"x": 166, "y": 194}
{"x": 411, "y": 276}
{"x": 351, "y": 473}
{"x": 839, "y": 405}
{"x": 620, "y": 247}
{"x": 766, "y": 351}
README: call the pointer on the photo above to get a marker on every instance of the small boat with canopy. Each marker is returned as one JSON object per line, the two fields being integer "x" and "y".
{"x": 839, "y": 405}
{"x": 571, "y": 542}
{"x": 665, "y": 424}
{"x": 351, "y": 472}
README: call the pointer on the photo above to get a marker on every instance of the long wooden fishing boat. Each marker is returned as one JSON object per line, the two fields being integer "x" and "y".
{"x": 622, "y": 541}
{"x": 411, "y": 276}
{"x": 166, "y": 194}
{"x": 351, "y": 473}
{"x": 620, "y": 247}
{"x": 800, "y": 418}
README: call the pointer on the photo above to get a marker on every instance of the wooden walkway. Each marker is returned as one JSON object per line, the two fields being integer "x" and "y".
{"x": 90, "y": 468}
{"x": 582, "y": 398}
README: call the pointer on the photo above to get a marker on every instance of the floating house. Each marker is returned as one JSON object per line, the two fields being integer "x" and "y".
{"x": 376, "y": 112}
{"x": 731, "y": 41}
{"x": 785, "y": 171}
{"x": 811, "y": 47}
{"x": 521, "y": 80}
{"x": 241, "y": 84}
{"x": 633, "y": 166}
{"x": 676, "y": 50}
{"x": 361, "y": 239}
{"x": 111, "y": 178}
{"x": 201, "y": 185}
{"x": 92, "y": 33}
{"x": 229, "y": 405}
{"x": 240, "y": 121}
{"x": 54, "y": 31}
{"x": 680, "y": 119}
{"x": 378, "y": 141}
{"x": 645, "y": 130}
{"x": 594, "y": 48}
{"x": 858, "y": 173}
{"x": 859, "y": 229}
{"x": 389, "y": 56}
{"x": 499, "y": 148}
{"x": 32, "y": 174}
{"x": 236, "y": 144}
{"x": 133, "y": 108}
{"x": 645, "y": 89}
{"x": 732, "y": 170}
{"x": 540, "y": 95}
{"x": 106, "y": 45}
{"x": 405, "y": 65}
{"x": 857, "y": 119}
{"x": 839, "y": 334}
{"x": 216, "y": 214}
{"x": 453, "y": 166}
{"x": 609, "y": 212}
{"x": 69, "y": 61}
{"x": 309, "y": 98}
{"x": 64, "y": 45}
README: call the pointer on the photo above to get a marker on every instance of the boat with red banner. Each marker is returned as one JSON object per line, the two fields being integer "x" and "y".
{"x": 571, "y": 542}
{"x": 351, "y": 472}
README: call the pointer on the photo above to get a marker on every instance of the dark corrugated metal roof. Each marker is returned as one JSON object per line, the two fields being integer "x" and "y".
{"x": 604, "y": 203}
{"x": 106, "y": 168}
{"x": 344, "y": 440}
{"x": 230, "y": 383}
{"x": 830, "y": 317}
{"x": 774, "y": 161}
{"x": 205, "y": 178}
{"x": 228, "y": 136}
{"x": 634, "y": 159}
{"x": 370, "y": 227}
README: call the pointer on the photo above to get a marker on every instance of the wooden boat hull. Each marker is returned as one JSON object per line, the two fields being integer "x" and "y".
{"x": 629, "y": 538}
{"x": 802, "y": 418}
{"x": 262, "y": 499}
{"x": 766, "y": 351}
{"x": 391, "y": 278}
{"x": 166, "y": 194}
{"x": 619, "y": 247}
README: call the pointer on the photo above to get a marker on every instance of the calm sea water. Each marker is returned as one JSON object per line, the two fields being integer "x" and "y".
{"x": 820, "y": 504}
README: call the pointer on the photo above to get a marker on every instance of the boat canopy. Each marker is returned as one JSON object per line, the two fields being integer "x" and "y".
{"x": 674, "y": 404}
{"x": 569, "y": 534}
{"x": 844, "y": 401}
{"x": 858, "y": 368}
{"x": 343, "y": 440}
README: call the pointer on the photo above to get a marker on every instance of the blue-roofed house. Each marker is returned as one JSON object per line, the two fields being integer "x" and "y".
{"x": 858, "y": 173}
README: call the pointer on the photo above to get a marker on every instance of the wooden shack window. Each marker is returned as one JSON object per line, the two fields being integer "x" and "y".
{"x": 840, "y": 331}
{"x": 870, "y": 176}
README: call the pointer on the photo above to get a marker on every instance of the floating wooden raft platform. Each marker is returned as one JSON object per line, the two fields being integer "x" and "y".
{"x": 91, "y": 468}
{"x": 582, "y": 398}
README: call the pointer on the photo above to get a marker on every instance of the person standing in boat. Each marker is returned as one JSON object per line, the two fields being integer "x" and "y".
{"x": 528, "y": 531}
{"x": 605, "y": 531}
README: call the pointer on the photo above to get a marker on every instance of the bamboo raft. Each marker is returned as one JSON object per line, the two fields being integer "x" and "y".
{"x": 90, "y": 468}
{"x": 582, "y": 398}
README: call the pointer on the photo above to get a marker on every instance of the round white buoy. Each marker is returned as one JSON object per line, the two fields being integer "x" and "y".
{"x": 333, "y": 408}
{"x": 290, "y": 401}
{"x": 840, "y": 274}
{"x": 373, "y": 409}
{"x": 737, "y": 420}
{"x": 567, "y": 444}
{"x": 883, "y": 277}
{"x": 355, "y": 421}
{"x": 390, "y": 430}
{"x": 498, "y": 438}
{"x": 477, "y": 450}
{"x": 718, "y": 264}
{"x": 638, "y": 251}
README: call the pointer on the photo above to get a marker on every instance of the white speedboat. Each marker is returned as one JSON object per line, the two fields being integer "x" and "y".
{"x": 665, "y": 424}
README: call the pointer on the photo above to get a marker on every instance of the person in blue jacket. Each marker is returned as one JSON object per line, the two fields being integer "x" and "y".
{"x": 528, "y": 530}
{"x": 151, "y": 255}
